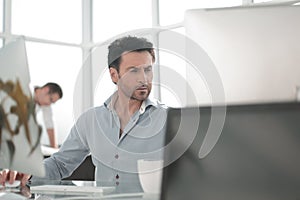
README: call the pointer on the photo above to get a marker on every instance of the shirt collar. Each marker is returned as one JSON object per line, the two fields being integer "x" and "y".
{"x": 146, "y": 103}
{"x": 111, "y": 101}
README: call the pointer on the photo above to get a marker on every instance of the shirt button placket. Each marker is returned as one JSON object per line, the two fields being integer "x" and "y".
{"x": 117, "y": 176}
{"x": 117, "y": 179}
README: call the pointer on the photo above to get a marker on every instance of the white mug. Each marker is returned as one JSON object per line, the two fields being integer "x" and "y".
{"x": 150, "y": 175}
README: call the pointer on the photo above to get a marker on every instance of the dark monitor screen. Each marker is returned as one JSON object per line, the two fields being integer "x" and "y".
{"x": 257, "y": 155}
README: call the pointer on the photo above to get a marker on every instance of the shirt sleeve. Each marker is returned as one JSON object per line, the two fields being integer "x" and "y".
{"x": 70, "y": 155}
{"x": 48, "y": 117}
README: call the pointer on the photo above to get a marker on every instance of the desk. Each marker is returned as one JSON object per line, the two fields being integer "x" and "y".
{"x": 92, "y": 191}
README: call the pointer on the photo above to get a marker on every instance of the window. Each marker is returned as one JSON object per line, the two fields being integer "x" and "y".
{"x": 114, "y": 17}
{"x": 60, "y": 64}
{"x": 261, "y": 1}
{"x": 52, "y": 20}
{"x": 104, "y": 88}
{"x": 48, "y": 19}
{"x": 173, "y": 66}
{"x": 1, "y": 16}
{"x": 172, "y": 12}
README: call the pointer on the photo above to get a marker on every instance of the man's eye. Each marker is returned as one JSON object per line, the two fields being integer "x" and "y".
{"x": 148, "y": 69}
{"x": 133, "y": 70}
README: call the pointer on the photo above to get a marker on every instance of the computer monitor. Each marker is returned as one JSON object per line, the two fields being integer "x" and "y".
{"x": 255, "y": 50}
{"x": 19, "y": 131}
{"x": 255, "y": 157}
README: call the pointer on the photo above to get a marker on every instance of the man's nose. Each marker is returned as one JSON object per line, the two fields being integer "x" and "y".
{"x": 142, "y": 76}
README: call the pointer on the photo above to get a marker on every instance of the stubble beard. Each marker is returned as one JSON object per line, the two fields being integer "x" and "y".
{"x": 135, "y": 94}
{"x": 141, "y": 96}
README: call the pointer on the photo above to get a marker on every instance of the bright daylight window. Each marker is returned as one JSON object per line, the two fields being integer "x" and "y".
{"x": 60, "y": 64}
{"x": 172, "y": 12}
{"x": 114, "y": 17}
{"x": 169, "y": 60}
{"x": 261, "y": 1}
{"x": 48, "y": 19}
{"x": 1, "y": 21}
{"x": 1, "y": 15}
{"x": 59, "y": 21}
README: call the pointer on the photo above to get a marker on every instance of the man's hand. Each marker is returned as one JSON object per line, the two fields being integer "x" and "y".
{"x": 11, "y": 176}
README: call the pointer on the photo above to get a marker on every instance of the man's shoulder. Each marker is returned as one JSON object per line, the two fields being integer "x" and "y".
{"x": 162, "y": 106}
{"x": 90, "y": 115}
{"x": 97, "y": 110}
{"x": 157, "y": 109}
{"x": 156, "y": 103}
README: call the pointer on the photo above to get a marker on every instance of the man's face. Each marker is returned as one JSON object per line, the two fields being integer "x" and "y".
{"x": 46, "y": 99}
{"x": 135, "y": 75}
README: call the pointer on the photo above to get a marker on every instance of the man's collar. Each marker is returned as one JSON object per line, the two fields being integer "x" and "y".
{"x": 109, "y": 103}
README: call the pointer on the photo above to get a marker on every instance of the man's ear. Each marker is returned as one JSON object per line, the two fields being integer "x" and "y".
{"x": 114, "y": 75}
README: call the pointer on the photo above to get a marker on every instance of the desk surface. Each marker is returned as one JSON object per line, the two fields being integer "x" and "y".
{"x": 62, "y": 190}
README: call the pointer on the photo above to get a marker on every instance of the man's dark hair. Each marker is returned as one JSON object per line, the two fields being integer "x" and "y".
{"x": 127, "y": 44}
{"x": 54, "y": 88}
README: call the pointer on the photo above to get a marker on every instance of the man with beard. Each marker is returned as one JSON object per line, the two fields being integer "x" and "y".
{"x": 127, "y": 128}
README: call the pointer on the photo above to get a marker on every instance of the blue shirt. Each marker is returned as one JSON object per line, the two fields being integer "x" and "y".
{"x": 96, "y": 132}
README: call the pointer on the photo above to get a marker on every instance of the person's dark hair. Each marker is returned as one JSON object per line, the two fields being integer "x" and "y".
{"x": 127, "y": 44}
{"x": 53, "y": 88}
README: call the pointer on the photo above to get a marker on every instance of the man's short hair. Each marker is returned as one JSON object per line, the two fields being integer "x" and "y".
{"x": 54, "y": 88}
{"x": 127, "y": 44}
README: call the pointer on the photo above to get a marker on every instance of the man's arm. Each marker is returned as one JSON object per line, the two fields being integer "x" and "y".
{"x": 49, "y": 124}
{"x": 72, "y": 152}
{"x": 52, "y": 138}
